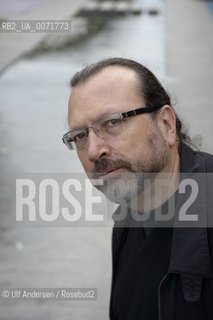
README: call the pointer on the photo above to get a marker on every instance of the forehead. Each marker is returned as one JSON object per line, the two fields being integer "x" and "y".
{"x": 113, "y": 89}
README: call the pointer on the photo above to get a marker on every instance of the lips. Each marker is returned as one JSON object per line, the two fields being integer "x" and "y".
{"x": 108, "y": 173}
{"x": 107, "y": 168}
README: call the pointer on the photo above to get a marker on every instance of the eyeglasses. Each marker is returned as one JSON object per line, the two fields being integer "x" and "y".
{"x": 106, "y": 127}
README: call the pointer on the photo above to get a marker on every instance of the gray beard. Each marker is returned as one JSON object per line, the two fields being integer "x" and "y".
{"x": 127, "y": 187}
{"x": 138, "y": 176}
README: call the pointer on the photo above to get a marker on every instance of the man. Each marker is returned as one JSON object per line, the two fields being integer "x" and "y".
{"x": 128, "y": 135}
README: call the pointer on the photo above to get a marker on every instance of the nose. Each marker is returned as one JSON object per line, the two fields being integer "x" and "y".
{"x": 97, "y": 147}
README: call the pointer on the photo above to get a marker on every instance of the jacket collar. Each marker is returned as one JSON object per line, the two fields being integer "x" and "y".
{"x": 190, "y": 250}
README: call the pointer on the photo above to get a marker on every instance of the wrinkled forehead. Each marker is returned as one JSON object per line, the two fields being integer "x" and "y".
{"x": 114, "y": 89}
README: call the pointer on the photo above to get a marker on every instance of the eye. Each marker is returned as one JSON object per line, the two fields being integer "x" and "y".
{"x": 80, "y": 136}
{"x": 112, "y": 123}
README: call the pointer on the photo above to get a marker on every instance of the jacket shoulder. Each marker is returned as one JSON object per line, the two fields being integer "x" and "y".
{"x": 208, "y": 158}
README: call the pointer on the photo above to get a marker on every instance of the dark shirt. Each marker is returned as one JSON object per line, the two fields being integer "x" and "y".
{"x": 143, "y": 262}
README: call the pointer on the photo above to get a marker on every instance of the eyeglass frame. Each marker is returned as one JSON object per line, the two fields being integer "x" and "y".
{"x": 124, "y": 115}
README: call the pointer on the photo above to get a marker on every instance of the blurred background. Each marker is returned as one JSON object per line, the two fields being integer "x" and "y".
{"x": 172, "y": 38}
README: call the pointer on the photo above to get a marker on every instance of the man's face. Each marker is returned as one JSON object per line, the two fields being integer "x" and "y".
{"x": 139, "y": 149}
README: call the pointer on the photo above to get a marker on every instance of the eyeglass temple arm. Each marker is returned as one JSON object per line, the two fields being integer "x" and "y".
{"x": 139, "y": 111}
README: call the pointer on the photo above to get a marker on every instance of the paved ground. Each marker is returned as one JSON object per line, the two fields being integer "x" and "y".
{"x": 13, "y": 45}
{"x": 189, "y": 31}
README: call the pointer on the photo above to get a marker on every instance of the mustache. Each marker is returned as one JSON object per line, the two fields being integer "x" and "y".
{"x": 107, "y": 165}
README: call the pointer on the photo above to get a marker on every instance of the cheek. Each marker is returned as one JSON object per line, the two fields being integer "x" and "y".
{"x": 130, "y": 150}
{"x": 138, "y": 147}
{"x": 135, "y": 135}
{"x": 135, "y": 143}
{"x": 128, "y": 145}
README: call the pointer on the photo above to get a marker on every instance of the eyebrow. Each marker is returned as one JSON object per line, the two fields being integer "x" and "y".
{"x": 102, "y": 115}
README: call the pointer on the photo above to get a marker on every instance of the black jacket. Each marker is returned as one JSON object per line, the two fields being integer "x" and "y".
{"x": 186, "y": 291}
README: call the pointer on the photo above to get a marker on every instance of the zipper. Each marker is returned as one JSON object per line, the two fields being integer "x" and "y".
{"x": 159, "y": 295}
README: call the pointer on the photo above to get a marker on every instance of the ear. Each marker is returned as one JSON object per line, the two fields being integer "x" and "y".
{"x": 167, "y": 124}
